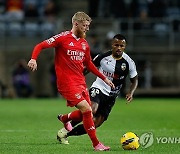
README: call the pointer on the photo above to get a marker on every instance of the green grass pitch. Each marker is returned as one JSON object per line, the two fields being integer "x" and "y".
{"x": 30, "y": 126}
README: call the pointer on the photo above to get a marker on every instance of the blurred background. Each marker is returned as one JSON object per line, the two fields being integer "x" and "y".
{"x": 152, "y": 29}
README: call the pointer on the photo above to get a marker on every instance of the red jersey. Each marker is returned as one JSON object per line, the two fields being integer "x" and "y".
{"x": 72, "y": 54}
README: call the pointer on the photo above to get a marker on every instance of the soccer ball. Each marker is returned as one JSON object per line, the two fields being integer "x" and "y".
{"x": 129, "y": 141}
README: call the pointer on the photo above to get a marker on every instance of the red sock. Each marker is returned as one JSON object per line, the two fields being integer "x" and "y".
{"x": 89, "y": 127}
{"x": 75, "y": 116}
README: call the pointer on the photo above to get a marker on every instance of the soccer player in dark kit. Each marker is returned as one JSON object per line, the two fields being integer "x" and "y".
{"x": 115, "y": 65}
{"x": 72, "y": 55}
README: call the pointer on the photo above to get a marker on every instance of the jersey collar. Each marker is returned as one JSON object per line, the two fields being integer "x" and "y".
{"x": 75, "y": 37}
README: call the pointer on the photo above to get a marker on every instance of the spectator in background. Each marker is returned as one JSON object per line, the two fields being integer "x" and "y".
{"x": 157, "y": 8}
{"x": 31, "y": 10}
{"x": 14, "y": 10}
{"x": 14, "y": 15}
{"x": 118, "y": 8}
{"x": 2, "y": 8}
{"x": 173, "y": 12}
{"x": 21, "y": 80}
{"x": 133, "y": 9}
{"x": 31, "y": 22}
{"x": 93, "y": 7}
{"x": 50, "y": 10}
{"x": 49, "y": 18}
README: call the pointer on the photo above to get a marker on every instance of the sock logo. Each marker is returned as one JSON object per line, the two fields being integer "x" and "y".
{"x": 91, "y": 128}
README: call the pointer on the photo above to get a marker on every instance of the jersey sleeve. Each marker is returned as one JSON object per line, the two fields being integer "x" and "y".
{"x": 99, "y": 57}
{"x": 49, "y": 43}
{"x": 132, "y": 69}
{"x": 91, "y": 67}
{"x": 97, "y": 60}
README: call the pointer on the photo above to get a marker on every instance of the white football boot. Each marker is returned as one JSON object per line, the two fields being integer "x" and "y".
{"x": 62, "y": 136}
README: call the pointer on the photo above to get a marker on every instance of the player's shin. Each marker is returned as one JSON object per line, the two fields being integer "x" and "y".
{"x": 89, "y": 127}
{"x": 75, "y": 116}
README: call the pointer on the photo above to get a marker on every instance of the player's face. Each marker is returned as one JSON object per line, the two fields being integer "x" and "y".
{"x": 118, "y": 47}
{"x": 82, "y": 28}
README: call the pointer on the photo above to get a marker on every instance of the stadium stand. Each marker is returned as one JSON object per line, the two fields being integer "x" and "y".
{"x": 153, "y": 40}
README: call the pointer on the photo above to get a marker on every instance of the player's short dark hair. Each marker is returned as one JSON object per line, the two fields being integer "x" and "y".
{"x": 119, "y": 37}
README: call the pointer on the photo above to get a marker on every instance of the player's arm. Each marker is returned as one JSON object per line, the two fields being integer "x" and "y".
{"x": 92, "y": 68}
{"x": 32, "y": 64}
{"x": 133, "y": 86}
{"x": 95, "y": 61}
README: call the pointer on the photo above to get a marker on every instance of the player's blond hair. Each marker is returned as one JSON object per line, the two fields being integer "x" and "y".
{"x": 81, "y": 16}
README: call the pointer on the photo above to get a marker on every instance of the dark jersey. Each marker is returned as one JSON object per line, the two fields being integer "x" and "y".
{"x": 114, "y": 70}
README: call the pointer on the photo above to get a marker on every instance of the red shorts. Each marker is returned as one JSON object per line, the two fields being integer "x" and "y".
{"x": 74, "y": 95}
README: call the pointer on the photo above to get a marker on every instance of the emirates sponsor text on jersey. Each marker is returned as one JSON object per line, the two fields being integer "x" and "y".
{"x": 75, "y": 55}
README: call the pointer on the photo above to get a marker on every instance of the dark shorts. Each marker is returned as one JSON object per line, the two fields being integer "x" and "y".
{"x": 105, "y": 102}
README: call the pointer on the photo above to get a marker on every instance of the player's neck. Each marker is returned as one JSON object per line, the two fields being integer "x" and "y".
{"x": 74, "y": 32}
{"x": 117, "y": 58}
{"x": 77, "y": 34}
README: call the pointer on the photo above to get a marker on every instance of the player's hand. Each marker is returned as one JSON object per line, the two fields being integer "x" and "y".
{"x": 108, "y": 82}
{"x": 32, "y": 64}
{"x": 129, "y": 97}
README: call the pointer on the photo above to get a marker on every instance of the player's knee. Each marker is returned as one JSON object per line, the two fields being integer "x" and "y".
{"x": 84, "y": 106}
{"x": 94, "y": 108}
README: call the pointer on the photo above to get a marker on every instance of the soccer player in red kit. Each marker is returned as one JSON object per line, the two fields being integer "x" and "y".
{"x": 72, "y": 55}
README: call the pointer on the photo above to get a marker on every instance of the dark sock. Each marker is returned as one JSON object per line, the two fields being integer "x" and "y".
{"x": 78, "y": 130}
{"x": 74, "y": 123}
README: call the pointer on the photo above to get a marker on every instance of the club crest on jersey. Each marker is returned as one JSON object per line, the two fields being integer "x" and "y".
{"x": 78, "y": 96}
{"x": 123, "y": 66}
{"x": 83, "y": 46}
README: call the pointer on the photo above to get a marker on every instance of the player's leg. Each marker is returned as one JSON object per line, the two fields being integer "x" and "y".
{"x": 63, "y": 134}
{"x": 95, "y": 96}
{"x": 85, "y": 112}
{"x": 88, "y": 124}
{"x": 76, "y": 116}
{"x": 79, "y": 130}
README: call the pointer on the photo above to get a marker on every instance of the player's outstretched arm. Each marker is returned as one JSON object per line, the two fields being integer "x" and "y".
{"x": 91, "y": 67}
{"x": 133, "y": 86}
{"x": 32, "y": 64}
{"x": 109, "y": 82}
